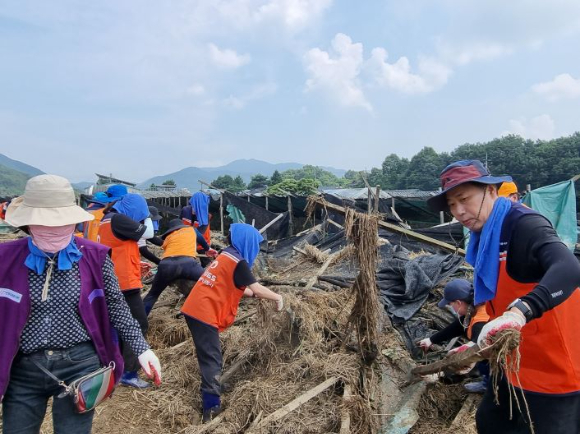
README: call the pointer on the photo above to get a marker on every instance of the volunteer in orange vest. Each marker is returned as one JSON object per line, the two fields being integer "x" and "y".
{"x": 121, "y": 229}
{"x": 509, "y": 190}
{"x": 201, "y": 218}
{"x": 100, "y": 205}
{"x": 212, "y": 305}
{"x": 528, "y": 279}
{"x": 178, "y": 262}
{"x": 458, "y": 296}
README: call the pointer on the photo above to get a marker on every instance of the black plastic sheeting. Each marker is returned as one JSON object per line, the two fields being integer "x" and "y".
{"x": 260, "y": 216}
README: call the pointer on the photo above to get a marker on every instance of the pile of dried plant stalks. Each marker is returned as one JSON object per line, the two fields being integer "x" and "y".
{"x": 285, "y": 355}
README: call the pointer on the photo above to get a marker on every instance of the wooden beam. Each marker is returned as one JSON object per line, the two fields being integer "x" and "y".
{"x": 377, "y": 199}
{"x": 332, "y": 222}
{"x": 322, "y": 269}
{"x": 293, "y": 405}
{"x": 265, "y": 228}
{"x": 345, "y": 419}
{"x": 397, "y": 229}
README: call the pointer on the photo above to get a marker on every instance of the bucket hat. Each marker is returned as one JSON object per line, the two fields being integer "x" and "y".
{"x": 459, "y": 173}
{"x": 48, "y": 200}
{"x": 174, "y": 225}
{"x": 154, "y": 213}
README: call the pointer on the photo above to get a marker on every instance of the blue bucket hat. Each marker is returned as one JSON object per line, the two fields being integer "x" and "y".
{"x": 459, "y": 173}
{"x": 115, "y": 192}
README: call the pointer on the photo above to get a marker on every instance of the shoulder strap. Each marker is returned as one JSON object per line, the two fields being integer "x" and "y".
{"x": 50, "y": 374}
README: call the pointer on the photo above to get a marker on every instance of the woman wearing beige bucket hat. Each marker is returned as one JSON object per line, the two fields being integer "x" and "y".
{"x": 60, "y": 311}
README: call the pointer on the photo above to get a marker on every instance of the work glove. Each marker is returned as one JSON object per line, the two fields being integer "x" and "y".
{"x": 279, "y": 304}
{"x": 150, "y": 364}
{"x": 509, "y": 320}
{"x": 461, "y": 349}
{"x": 425, "y": 344}
{"x": 211, "y": 253}
{"x": 467, "y": 369}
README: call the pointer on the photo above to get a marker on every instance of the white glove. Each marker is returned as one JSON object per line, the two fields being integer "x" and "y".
{"x": 425, "y": 344}
{"x": 509, "y": 320}
{"x": 150, "y": 364}
{"x": 279, "y": 304}
{"x": 461, "y": 349}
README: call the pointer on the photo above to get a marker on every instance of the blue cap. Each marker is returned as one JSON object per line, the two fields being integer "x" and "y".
{"x": 115, "y": 192}
{"x": 457, "y": 289}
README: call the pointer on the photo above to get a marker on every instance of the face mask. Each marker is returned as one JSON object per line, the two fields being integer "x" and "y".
{"x": 51, "y": 239}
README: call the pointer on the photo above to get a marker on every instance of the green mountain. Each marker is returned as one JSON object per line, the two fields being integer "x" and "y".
{"x": 19, "y": 166}
{"x": 12, "y": 182}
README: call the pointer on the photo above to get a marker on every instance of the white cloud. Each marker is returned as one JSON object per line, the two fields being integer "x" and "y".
{"x": 294, "y": 15}
{"x": 227, "y": 58}
{"x": 195, "y": 90}
{"x": 563, "y": 86}
{"x": 473, "y": 52}
{"x": 398, "y": 76}
{"x": 255, "y": 93}
{"x": 539, "y": 127}
{"x": 337, "y": 74}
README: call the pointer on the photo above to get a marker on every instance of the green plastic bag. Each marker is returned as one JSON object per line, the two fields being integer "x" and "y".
{"x": 557, "y": 203}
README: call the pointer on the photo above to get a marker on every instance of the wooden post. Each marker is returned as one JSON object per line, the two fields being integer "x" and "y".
{"x": 291, "y": 222}
{"x": 267, "y": 204}
{"x": 222, "y": 212}
{"x": 249, "y": 198}
{"x": 377, "y": 198}
{"x": 369, "y": 200}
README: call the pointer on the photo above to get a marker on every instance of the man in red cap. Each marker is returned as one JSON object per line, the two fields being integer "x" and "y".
{"x": 528, "y": 279}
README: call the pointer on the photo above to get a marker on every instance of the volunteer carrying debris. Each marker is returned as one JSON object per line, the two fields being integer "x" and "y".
{"x": 528, "y": 279}
{"x": 212, "y": 305}
{"x": 120, "y": 230}
{"x": 60, "y": 311}
{"x": 178, "y": 262}
{"x": 458, "y": 295}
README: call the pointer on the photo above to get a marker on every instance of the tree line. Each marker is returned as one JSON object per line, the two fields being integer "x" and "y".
{"x": 538, "y": 163}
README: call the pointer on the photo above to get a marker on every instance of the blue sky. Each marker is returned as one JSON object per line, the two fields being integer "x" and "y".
{"x": 142, "y": 87}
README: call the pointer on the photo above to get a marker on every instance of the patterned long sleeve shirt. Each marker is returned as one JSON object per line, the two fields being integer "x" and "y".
{"x": 56, "y": 322}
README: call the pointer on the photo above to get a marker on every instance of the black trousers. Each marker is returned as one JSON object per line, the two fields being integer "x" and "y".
{"x": 133, "y": 299}
{"x": 550, "y": 414}
{"x": 209, "y": 355}
{"x": 169, "y": 270}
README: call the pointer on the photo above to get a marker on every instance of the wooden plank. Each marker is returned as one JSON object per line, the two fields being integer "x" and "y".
{"x": 394, "y": 228}
{"x": 293, "y": 405}
{"x": 322, "y": 269}
{"x": 345, "y": 419}
{"x": 265, "y": 228}
{"x": 332, "y": 222}
{"x": 464, "y": 415}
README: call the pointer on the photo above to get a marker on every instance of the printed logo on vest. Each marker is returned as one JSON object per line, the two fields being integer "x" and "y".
{"x": 10, "y": 294}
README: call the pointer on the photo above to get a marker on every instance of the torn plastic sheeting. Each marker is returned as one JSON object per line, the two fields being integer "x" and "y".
{"x": 235, "y": 214}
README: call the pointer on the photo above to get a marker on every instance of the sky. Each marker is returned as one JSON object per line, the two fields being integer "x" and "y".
{"x": 139, "y": 88}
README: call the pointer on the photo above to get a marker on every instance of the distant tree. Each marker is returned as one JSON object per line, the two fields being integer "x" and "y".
{"x": 238, "y": 184}
{"x": 152, "y": 185}
{"x": 169, "y": 182}
{"x": 423, "y": 171}
{"x": 259, "y": 181}
{"x": 302, "y": 187}
{"x": 352, "y": 179}
{"x": 224, "y": 182}
{"x": 394, "y": 169}
{"x": 324, "y": 177}
{"x": 276, "y": 178}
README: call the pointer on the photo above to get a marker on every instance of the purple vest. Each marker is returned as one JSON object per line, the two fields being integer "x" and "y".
{"x": 15, "y": 304}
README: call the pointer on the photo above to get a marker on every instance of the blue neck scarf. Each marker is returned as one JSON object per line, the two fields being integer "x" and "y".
{"x": 36, "y": 259}
{"x": 134, "y": 206}
{"x": 246, "y": 240}
{"x": 200, "y": 204}
{"x": 483, "y": 252}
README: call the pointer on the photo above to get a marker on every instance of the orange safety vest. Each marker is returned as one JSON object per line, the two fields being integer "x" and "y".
{"x": 207, "y": 236}
{"x": 480, "y": 315}
{"x": 180, "y": 243}
{"x": 92, "y": 227}
{"x": 550, "y": 348}
{"x": 215, "y": 298}
{"x": 125, "y": 256}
